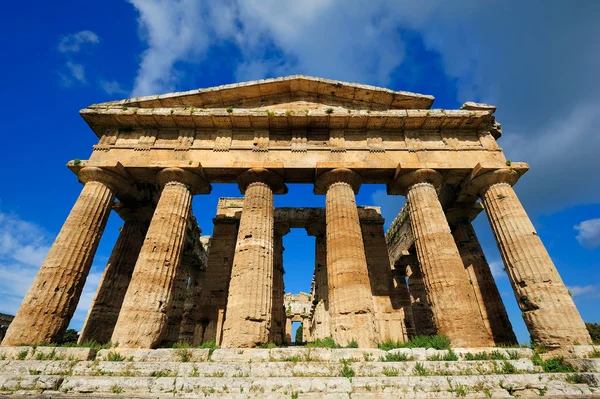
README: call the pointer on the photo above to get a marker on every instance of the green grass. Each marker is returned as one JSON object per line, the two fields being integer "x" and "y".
{"x": 448, "y": 357}
{"x": 420, "y": 369}
{"x": 347, "y": 370}
{"x": 390, "y": 371}
{"x": 553, "y": 365}
{"x": 23, "y": 354}
{"x": 323, "y": 343}
{"x": 352, "y": 344}
{"x": 496, "y": 355}
{"x": 395, "y": 357}
{"x": 594, "y": 354}
{"x": 508, "y": 368}
{"x": 477, "y": 356}
{"x": 575, "y": 379}
{"x": 423, "y": 341}
{"x": 114, "y": 357}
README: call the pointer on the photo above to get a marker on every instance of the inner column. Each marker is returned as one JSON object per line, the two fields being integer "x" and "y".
{"x": 350, "y": 300}
{"x": 455, "y": 311}
{"x": 248, "y": 316}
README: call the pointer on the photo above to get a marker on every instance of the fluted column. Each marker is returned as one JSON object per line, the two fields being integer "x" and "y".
{"x": 249, "y": 312}
{"x": 350, "y": 300}
{"x": 480, "y": 276}
{"x": 189, "y": 321}
{"x": 549, "y": 311}
{"x": 389, "y": 311}
{"x": 143, "y": 319}
{"x": 175, "y": 312}
{"x": 47, "y": 308}
{"x": 422, "y": 314}
{"x": 278, "y": 324}
{"x": 105, "y": 308}
{"x": 215, "y": 287}
{"x": 455, "y": 311}
{"x": 320, "y": 324}
{"x": 288, "y": 330}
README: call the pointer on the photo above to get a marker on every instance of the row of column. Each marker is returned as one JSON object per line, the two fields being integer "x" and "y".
{"x": 256, "y": 275}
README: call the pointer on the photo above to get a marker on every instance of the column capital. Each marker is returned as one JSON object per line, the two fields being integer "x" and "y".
{"x": 261, "y": 175}
{"x": 117, "y": 183}
{"x": 458, "y": 213}
{"x": 484, "y": 176}
{"x": 406, "y": 179}
{"x": 135, "y": 212}
{"x": 196, "y": 183}
{"x": 339, "y": 175}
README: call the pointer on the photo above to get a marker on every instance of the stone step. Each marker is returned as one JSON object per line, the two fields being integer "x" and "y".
{"x": 265, "y": 369}
{"x": 245, "y": 354}
{"x": 407, "y": 387}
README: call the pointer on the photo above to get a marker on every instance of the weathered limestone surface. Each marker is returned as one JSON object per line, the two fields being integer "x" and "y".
{"x": 192, "y": 297}
{"x": 480, "y": 276}
{"x": 394, "y": 318}
{"x": 455, "y": 311}
{"x": 176, "y": 309}
{"x": 320, "y": 326}
{"x": 549, "y": 312}
{"x": 51, "y": 300}
{"x": 278, "y": 323}
{"x": 215, "y": 287}
{"x": 105, "y": 308}
{"x": 249, "y": 304}
{"x": 422, "y": 314}
{"x": 350, "y": 299}
{"x": 143, "y": 319}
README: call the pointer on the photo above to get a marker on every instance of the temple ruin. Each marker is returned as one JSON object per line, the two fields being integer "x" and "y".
{"x": 164, "y": 283}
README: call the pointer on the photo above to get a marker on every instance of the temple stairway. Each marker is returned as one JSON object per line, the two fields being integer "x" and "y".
{"x": 295, "y": 373}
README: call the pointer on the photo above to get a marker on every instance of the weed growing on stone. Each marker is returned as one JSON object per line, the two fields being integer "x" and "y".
{"x": 162, "y": 373}
{"x": 323, "y": 343}
{"x": 352, "y": 344}
{"x": 395, "y": 357}
{"x": 513, "y": 355}
{"x": 460, "y": 390}
{"x": 508, "y": 368}
{"x": 329, "y": 111}
{"x": 497, "y": 355}
{"x": 575, "y": 379}
{"x": 435, "y": 342}
{"x": 476, "y": 356}
{"x": 594, "y": 354}
{"x": 230, "y": 109}
{"x": 185, "y": 355}
{"x": 553, "y": 365}
{"x": 390, "y": 371}
{"x": 114, "y": 357}
{"x": 420, "y": 369}
{"x": 346, "y": 369}
{"x": 116, "y": 389}
{"x": 23, "y": 354}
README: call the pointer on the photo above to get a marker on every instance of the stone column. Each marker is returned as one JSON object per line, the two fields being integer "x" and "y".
{"x": 249, "y": 304}
{"x": 306, "y": 326}
{"x": 402, "y": 298}
{"x": 175, "y": 311}
{"x": 422, "y": 314}
{"x": 320, "y": 325}
{"x": 105, "y": 308}
{"x": 288, "y": 330}
{"x": 455, "y": 311}
{"x": 480, "y": 276}
{"x": 350, "y": 300}
{"x": 549, "y": 311}
{"x": 215, "y": 287}
{"x": 47, "y": 308}
{"x": 142, "y": 322}
{"x": 190, "y": 307}
{"x": 389, "y": 311}
{"x": 278, "y": 324}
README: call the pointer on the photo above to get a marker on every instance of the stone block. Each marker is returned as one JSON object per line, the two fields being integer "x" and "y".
{"x": 240, "y": 354}
{"x": 359, "y": 354}
{"x": 60, "y": 353}
{"x": 157, "y": 355}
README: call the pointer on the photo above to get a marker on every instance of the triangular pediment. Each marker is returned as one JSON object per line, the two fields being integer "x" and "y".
{"x": 293, "y": 92}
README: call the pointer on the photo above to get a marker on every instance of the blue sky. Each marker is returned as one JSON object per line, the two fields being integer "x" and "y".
{"x": 538, "y": 61}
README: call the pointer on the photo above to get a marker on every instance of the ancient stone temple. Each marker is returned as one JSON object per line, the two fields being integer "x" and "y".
{"x": 427, "y": 275}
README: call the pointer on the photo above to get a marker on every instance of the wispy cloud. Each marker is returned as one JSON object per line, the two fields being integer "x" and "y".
{"x": 498, "y": 270}
{"x": 75, "y": 42}
{"x": 588, "y": 233}
{"x": 73, "y": 72}
{"x": 23, "y": 247}
{"x": 112, "y": 87}
{"x": 586, "y": 290}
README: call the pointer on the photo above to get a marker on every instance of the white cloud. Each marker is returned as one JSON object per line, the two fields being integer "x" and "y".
{"x": 74, "y": 43}
{"x": 588, "y": 290}
{"x": 23, "y": 247}
{"x": 112, "y": 87}
{"x": 77, "y": 71}
{"x": 589, "y": 233}
{"x": 498, "y": 270}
